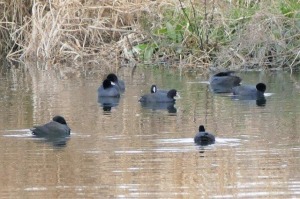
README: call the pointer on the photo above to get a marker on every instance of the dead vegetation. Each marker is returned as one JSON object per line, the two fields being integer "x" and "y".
{"x": 268, "y": 41}
{"x": 202, "y": 34}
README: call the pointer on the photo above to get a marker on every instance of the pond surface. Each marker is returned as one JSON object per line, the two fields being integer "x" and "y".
{"x": 129, "y": 151}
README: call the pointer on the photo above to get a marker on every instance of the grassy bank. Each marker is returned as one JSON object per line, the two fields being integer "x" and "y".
{"x": 233, "y": 34}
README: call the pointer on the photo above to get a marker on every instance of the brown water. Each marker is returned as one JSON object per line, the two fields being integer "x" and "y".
{"x": 132, "y": 152}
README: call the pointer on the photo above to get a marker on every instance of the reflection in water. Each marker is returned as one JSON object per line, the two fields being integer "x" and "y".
{"x": 133, "y": 153}
{"x": 108, "y": 102}
{"x": 55, "y": 140}
{"x": 223, "y": 82}
{"x": 170, "y": 107}
{"x": 261, "y": 101}
{"x": 219, "y": 89}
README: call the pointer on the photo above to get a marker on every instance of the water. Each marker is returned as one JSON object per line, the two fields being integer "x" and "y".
{"x": 135, "y": 152}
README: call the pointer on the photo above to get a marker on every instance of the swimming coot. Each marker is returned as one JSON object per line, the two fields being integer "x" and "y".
{"x": 57, "y": 127}
{"x": 118, "y": 83}
{"x": 223, "y": 82}
{"x": 107, "y": 89}
{"x": 204, "y": 138}
{"x": 249, "y": 91}
{"x": 159, "y": 97}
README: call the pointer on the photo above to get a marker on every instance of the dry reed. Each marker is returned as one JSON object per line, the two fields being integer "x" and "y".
{"x": 268, "y": 41}
{"x": 108, "y": 33}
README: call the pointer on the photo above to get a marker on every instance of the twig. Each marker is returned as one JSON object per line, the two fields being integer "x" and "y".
{"x": 114, "y": 29}
{"x": 291, "y": 65}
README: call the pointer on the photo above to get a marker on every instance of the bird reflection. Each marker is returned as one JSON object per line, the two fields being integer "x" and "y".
{"x": 108, "y": 102}
{"x": 219, "y": 89}
{"x": 201, "y": 151}
{"x": 223, "y": 82}
{"x": 169, "y": 106}
{"x": 261, "y": 101}
{"x": 56, "y": 140}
